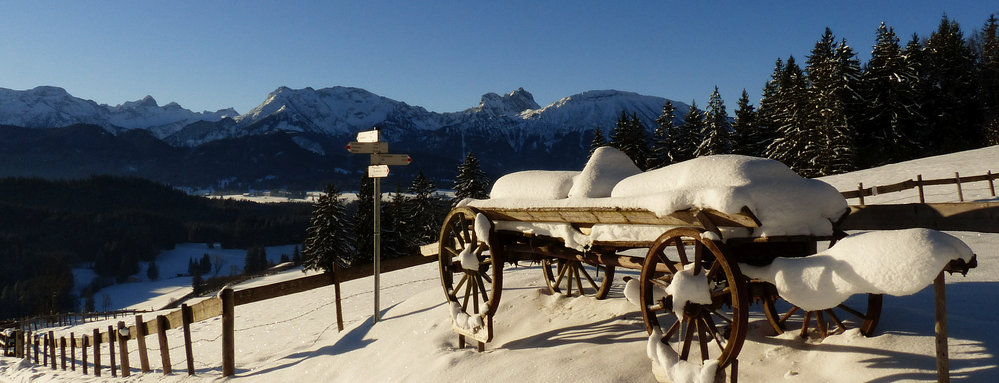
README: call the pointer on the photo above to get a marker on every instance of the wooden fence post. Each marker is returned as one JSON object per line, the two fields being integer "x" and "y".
{"x": 96, "y": 340}
{"x": 34, "y": 343}
{"x": 122, "y": 334}
{"x": 919, "y": 185}
{"x": 72, "y": 351}
{"x": 957, "y": 180}
{"x": 52, "y": 348}
{"x": 45, "y": 349}
{"x": 228, "y": 333}
{"x": 943, "y": 357}
{"x": 992, "y": 186}
{"x": 186, "y": 318}
{"x": 860, "y": 193}
{"x": 161, "y": 327}
{"x": 62, "y": 353}
{"x": 83, "y": 350}
{"x": 111, "y": 339}
{"x": 19, "y": 346}
{"x": 140, "y": 337}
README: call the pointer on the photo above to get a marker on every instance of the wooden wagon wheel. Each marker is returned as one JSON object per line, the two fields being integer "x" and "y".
{"x": 713, "y": 330}
{"x": 471, "y": 291}
{"x": 863, "y": 311}
{"x": 575, "y": 277}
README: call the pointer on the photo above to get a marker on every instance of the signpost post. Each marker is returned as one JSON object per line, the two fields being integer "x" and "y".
{"x": 367, "y": 143}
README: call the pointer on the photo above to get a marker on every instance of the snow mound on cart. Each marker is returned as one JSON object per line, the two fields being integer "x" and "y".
{"x": 863, "y": 263}
{"x": 606, "y": 167}
{"x": 534, "y": 184}
{"x": 784, "y": 202}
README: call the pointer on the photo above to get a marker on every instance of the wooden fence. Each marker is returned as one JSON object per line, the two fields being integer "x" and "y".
{"x": 44, "y": 348}
{"x": 919, "y": 183}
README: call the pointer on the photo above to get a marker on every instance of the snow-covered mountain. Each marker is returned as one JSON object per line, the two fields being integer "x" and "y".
{"x": 51, "y": 107}
{"x": 293, "y": 126}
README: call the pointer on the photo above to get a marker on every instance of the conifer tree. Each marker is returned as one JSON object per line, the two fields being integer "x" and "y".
{"x": 364, "y": 221}
{"x": 630, "y": 137}
{"x": 422, "y": 212}
{"x": 794, "y": 143}
{"x": 745, "y": 132}
{"x": 328, "y": 236}
{"x": 833, "y": 73}
{"x": 153, "y": 271}
{"x": 888, "y": 127}
{"x": 767, "y": 115}
{"x": 598, "y": 140}
{"x": 715, "y": 133}
{"x": 690, "y": 134}
{"x": 471, "y": 181}
{"x": 990, "y": 79}
{"x": 949, "y": 91}
{"x": 662, "y": 151}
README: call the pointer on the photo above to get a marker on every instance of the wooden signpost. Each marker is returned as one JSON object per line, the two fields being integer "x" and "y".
{"x": 368, "y": 143}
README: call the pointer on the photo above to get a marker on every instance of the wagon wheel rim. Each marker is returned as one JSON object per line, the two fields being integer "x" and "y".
{"x": 476, "y": 291}
{"x": 705, "y": 331}
{"x": 862, "y": 312}
{"x": 576, "y": 278}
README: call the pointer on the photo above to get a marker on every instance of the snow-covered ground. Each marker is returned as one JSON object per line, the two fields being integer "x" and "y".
{"x": 541, "y": 337}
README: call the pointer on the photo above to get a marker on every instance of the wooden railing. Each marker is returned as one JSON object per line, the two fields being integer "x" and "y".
{"x": 919, "y": 183}
{"x": 40, "y": 347}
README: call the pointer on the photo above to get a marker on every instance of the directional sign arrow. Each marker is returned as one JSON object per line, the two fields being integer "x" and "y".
{"x": 367, "y": 136}
{"x": 390, "y": 159}
{"x": 378, "y": 171}
{"x": 367, "y": 147}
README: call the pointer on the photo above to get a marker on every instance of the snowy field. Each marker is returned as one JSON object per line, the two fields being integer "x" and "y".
{"x": 540, "y": 337}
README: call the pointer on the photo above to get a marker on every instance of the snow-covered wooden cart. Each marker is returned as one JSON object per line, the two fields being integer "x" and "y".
{"x": 690, "y": 244}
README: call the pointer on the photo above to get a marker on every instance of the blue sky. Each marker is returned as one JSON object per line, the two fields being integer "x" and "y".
{"x": 442, "y": 55}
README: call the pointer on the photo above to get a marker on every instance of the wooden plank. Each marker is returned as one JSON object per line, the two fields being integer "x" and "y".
{"x": 968, "y": 216}
{"x": 273, "y": 290}
{"x": 206, "y": 309}
{"x": 617, "y": 215}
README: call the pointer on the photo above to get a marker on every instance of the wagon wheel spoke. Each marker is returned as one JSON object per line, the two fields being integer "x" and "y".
{"x": 839, "y": 324}
{"x": 720, "y": 293}
{"x": 681, "y": 251}
{"x": 688, "y": 336}
{"x": 666, "y": 261}
{"x": 698, "y": 252}
{"x": 457, "y": 287}
{"x": 568, "y": 283}
{"x": 722, "y": 317}
{"x": 468, "y": 292}
{"x": 482, "y": 290}
{"x": 702, "y": 339}
{"x": 475, "y": 296}
{"x": 713, "y": 271}
{"x": 788, "y": 314}
{"x": 714, "y": 331}
{"x": 672, "y": 330}
{"x": 589, "y": 279}
{"x": 561, "y": 273}
{"x": 579, "y": 282}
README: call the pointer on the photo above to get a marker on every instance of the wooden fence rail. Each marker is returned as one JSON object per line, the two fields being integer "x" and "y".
{"x": 919, "y": 183}
{"x": 25, "y": 343}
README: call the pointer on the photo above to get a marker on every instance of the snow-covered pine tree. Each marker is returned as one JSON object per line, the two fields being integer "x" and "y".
{"x": 471, "y": 181}
{"x": 949, "y": 91}
{"x": 328, "y": 237}
{"x": 662, "y": 151}
{"x": 886, "y": 131}
{"x": 989, "y": 69}
{"x": 598, "y": 140}
{"x": 689, "y": 139}
{"x": 766, "y": 115}
{"x": 364, "y": 221}
{"x": 795, "y": 140}
{"x": 630, "y": 137}
{"x": 745, "y": 133}
{"x": 833, "y": 73}
{"x": 715, "y": 134}
{"x": 422, "y": 212}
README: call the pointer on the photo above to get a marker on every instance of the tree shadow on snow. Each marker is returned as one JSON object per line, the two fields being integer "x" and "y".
{"x": 354, "y": 339}
{"x": 973, "y": 344}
